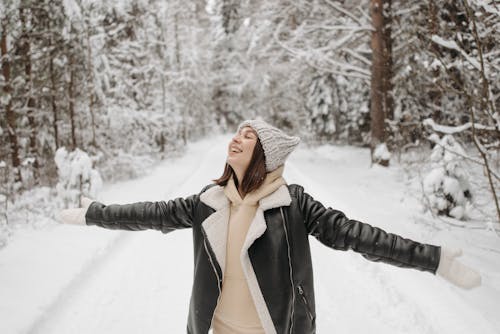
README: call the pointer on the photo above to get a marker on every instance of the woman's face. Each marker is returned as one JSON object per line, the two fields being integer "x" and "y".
{"x": 240, "y": 149}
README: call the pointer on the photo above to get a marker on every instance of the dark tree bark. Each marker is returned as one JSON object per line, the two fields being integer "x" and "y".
{"x": 92, "y": 95}
{"x": 230, "y": 16}
{"x": 435, "y": 93}
{"x": 388, "y": 72}
{"x": 377, "y": 77}
{"x": 9, "y": 112}
{"x": 71, "y": 99}
{"x": 25, "y": 52}
{"x": 53, "y": 95}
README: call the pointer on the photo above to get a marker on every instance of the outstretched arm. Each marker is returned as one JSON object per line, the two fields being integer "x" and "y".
{"x": 162, "y": 216}
{"x": 332, "y": 228}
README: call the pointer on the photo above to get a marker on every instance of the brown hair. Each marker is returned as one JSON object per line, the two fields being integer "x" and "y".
{"x": 254, "y": 175}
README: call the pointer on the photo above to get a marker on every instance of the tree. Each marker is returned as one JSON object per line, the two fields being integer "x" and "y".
{"x": 226, "y": 64}
{"x": 323, "y": 105}
{"x": 10, "y": 113}
{"x": 377, "y": 93}
{"x": 25, "y": 54}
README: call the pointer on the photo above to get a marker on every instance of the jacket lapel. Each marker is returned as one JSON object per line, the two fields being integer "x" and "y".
{"x": 216, "y": 225}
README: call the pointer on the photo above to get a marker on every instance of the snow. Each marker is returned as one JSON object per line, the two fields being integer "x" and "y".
{"x": 72, "y": 9}
{"x": 454, "y": 129}
{"x": 448, "y": 182}
{"x": 76, "y": 174}
{"x": 81, "y": 279}
{"x": 454, "y": 46}
{"x": 490, "y": 8}
{"x": 381, "y": 152}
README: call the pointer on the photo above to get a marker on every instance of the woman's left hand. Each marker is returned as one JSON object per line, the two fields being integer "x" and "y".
{"x": 456, "y": 272}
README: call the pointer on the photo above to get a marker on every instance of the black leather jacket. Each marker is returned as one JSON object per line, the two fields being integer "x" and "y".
{"x": 289, "y": 295}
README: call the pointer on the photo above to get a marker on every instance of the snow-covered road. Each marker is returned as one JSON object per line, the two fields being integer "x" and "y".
{"x": 130, "y": 282}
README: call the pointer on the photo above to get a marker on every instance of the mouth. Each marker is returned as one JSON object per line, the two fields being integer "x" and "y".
{"x": 234, "y": 149}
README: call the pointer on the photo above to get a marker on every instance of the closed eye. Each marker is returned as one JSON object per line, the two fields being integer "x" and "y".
{"x": 248, "y": 134}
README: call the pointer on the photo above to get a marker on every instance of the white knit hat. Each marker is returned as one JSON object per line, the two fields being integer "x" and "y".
{"x": 277, "y": 145}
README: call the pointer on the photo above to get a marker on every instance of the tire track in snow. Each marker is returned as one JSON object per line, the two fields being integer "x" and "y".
{"x": 62, "y": 309}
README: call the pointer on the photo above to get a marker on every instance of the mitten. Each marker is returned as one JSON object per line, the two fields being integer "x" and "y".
{"x": 456, "y": 272}
{"x": 75, "y": 216}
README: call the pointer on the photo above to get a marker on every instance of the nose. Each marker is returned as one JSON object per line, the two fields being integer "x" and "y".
{"x": 236, "y": 138}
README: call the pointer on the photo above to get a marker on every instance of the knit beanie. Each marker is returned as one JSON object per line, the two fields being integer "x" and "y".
{"x": 277, "y": 145}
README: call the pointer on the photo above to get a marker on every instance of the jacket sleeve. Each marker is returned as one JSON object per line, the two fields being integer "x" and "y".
{"x": 163, "y": 216}
{"x": 333, "y": 229}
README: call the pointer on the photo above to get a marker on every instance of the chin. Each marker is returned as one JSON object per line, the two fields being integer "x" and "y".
{"x": 233, "y": 164}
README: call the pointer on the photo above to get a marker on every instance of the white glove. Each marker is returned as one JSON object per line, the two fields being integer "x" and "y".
{"x": 75, "y": 216}
{"x": 456, "y": 272}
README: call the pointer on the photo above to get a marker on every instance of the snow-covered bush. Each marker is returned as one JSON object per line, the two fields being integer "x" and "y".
{"x": 446, "y": 186}
{"x": 381, "y": 154}
{"x": 33, "y": 209}
{"x": 76, "y": 176}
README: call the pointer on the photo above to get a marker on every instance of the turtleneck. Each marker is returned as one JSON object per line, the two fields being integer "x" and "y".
{"x": 235, "y": 311}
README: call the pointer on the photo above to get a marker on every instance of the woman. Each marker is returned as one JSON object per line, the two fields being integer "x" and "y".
{"x": 252, "y": 269}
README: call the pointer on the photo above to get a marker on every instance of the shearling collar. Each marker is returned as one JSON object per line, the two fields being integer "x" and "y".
{"x": 216, "y": 224}
{"x": 216, "y": 228}
{"x": 216, "y": 199}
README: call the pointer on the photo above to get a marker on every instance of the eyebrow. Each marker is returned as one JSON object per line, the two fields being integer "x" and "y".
{"x": 249, "y": 130}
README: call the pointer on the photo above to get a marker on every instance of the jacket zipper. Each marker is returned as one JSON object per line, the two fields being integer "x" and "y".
{"x": 304, "y": 299}
{"x": 291, "y": 270}
{"x": 218, "y": 279}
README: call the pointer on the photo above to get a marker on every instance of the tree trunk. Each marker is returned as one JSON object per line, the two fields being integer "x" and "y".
{"x": 230, "y": 16}
{"x": 435, "y": 93}
{"x": 377, "y": 86}
{"x": 71, "y": 99}
{"x": 92, "y": 97}
{"x": 388, "y": 98}
{"x": 25, "y": 49}
{"x": 53, "y": 96}
{"x": 178, "y": 67}
{"x": 9, "y": 112}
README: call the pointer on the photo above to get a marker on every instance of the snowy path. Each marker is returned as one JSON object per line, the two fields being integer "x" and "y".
{"x": 141, "y": 281}
{"x": 136, "y": 286}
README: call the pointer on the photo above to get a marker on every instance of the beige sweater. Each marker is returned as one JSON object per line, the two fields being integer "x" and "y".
{"x": 235, "y": 311}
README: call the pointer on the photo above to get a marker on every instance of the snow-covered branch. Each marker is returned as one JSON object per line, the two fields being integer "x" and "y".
{"x": 327, "y": 27}
{"x": 345, "y": 12}
{"x": 454, "y": 46}
{"x": 357, "y": 56}
{"x": 435, "y": 139}
{"x": 455, "y": 129}
{"x": 342, "y": 68}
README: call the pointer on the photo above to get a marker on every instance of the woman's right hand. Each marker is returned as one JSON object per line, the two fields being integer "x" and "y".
{"x": 75, "y": 216}
{"x": 456, "y": 272}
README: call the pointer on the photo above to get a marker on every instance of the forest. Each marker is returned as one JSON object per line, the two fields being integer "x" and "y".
{"x": 95, "y": 91}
